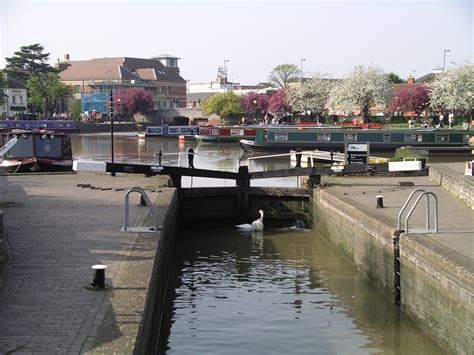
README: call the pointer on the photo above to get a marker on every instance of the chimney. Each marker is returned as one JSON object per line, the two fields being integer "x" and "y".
{"x": 66, "y": 57}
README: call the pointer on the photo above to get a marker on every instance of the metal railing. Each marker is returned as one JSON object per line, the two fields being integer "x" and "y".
{"x": 410, "y": 212}
{"x": 140, "y": 229}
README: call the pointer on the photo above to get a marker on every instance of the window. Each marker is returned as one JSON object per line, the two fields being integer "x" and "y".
{"x": 48, "y": 146}
{"x": 413, "y": 138}
{"x": 324, "y": 136}
{"x": 351, "y": 136}
{"x": 77, "y": 88}
{"x": 281, "y": 136}
{"x": 387, "y": 137}
{"x": 236, "y": 132}
{"x": 442, "y": 138}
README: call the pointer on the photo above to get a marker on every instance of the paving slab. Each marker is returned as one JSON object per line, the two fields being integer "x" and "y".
{"x": 56, "y": 231}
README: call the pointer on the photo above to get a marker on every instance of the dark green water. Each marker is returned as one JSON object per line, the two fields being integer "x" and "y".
{"x": 278, "y": 292}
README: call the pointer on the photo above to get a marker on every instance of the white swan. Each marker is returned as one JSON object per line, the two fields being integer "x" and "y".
{"x": 256, "y": 225}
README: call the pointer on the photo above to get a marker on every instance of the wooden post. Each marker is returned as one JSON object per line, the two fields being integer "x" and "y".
{"x": 314, "y": 180}
{"x": 243, "y": 182}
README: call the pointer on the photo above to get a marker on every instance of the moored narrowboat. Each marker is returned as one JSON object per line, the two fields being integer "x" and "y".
{"x": 226, "y": 134}
{"x": 381, "y": 140}
{"x": 166, "y": 131}
{"x": 37, "y": 150}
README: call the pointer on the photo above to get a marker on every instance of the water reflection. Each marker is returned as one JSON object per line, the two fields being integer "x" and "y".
{"x": 224, "y": 157}
{"x": 279, "y": 291}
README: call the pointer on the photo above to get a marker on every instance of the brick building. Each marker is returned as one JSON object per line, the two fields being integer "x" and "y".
{"x": 100, "y": 75}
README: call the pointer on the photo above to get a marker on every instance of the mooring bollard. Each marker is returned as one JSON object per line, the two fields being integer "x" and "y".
{"x": 191, "y": 158}
{"x": 99, "y": 276}
{"x": 160, "y": 154}
{"x": 379, "y": 201}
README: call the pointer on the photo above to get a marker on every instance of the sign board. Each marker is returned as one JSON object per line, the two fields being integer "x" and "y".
{"x": 357, "y": 153}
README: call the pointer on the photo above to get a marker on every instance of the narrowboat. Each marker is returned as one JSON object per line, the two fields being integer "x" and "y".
{"x": 166, "y": 131}
{"x": 225, "y": 134}
{"x": 53, "y": 125}
{"x": 36, "y": 150}
{"x": 381, "y": 140}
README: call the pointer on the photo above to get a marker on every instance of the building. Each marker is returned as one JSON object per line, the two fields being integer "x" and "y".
{"x": 14, "y": 95}
{"x": 94, "y": 79}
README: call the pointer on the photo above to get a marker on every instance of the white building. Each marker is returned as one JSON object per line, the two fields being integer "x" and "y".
{"x": 14, "y": 96}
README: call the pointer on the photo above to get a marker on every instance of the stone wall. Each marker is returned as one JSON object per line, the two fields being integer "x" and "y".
{"x": 435, "y": 292}
{"x": 460, "y": 186}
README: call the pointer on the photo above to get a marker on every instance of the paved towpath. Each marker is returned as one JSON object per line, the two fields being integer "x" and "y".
{"x": 56, "y": 232}
{"x": 456, "y": 221}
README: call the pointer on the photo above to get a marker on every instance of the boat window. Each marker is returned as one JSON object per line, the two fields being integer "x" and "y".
{"x": 49, "y": 146}
{"x": 386, "y": 137}
{"x": 215, "y": 131}
{"x": 351, "y": 136}
{"x": 279, "y": 136}
{"x": 442, "y": 138}
{"x": 236, "y": 132}
{"x": 413, "y": 138}
{"x": 23, "y": 148}
{"x": 324, "y": 136}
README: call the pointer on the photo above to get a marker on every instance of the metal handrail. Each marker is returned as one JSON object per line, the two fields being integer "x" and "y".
{"x": 435, "y": 230}
{"x": 126, "y": 227}
{"x": 405, "y": 206}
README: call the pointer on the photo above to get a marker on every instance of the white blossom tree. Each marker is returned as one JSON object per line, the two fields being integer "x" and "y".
{"x": 363, "y": 87}
{"x": 312, "y": 95}
{"x": 454, "y": 89}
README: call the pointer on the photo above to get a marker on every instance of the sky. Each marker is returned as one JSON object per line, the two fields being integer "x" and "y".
{"x": 332, "y": 36}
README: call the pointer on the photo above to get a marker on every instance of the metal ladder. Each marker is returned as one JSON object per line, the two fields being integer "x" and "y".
{"x": 427, "y": 229}
{"x": 140, "y": 229}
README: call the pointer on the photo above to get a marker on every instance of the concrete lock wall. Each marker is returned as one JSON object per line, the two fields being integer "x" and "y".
{"x": 363, "y": 239}
{"x": 434, "y": 292}
{"x": 150, "y": 324}
{"x": 437, "y": 293}
{"x": 459, "y": 186}
{"x": 3, "y": 253}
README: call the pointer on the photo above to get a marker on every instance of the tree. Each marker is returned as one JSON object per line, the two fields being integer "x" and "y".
{"x": 255, "y": 103}
{"x": 75, "y": 109}
{"x": 222, "y": 104}
{"x": 394, "y": 78}
{"x": 3, "y": 85}
{"x": 410, "y": 98}
{"x": 454, "y": 89}
{"x": 133, "y": 100}
{"x": 28, "y": 60}
{"x": 46, "y": 92}
{"x": 363, "y": 87}
{"x": 311, "y": 96}
{"x": 284, "y": 74}
{"x": 278, "y": 103}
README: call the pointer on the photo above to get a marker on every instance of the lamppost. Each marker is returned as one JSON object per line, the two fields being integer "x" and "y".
{"x": 301, "y": 68}
{"x": 255, "y": 110}
{"x": 444, "y": 58}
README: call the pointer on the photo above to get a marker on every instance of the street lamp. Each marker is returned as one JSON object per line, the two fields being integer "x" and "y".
{"x": 444, "y": 58}
{"x": 301, "y": 68}
{"x": 255, "y": 110}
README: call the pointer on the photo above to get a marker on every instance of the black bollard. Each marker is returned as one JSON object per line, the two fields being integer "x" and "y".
{"x": 332, "y": 156}
{"x": 99, "y": 276}
{"x": 298, "y": 158}
{"x": 191, "y": 158}
{"x": 379, "y": 201}
{"x": 160, "y": 154}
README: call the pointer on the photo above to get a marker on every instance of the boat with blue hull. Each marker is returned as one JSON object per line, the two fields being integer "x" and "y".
{"x": 166, "y": 131}
{"x": 381, "y": 140}
{"x": 35, "y": 150}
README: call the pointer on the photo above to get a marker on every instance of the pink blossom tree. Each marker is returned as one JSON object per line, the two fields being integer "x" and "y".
{"x": 133, "y": 100}
{"x": 278, "y": 103}
{"x": 255, "y": 103}
{"x": 410, "y": 98}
